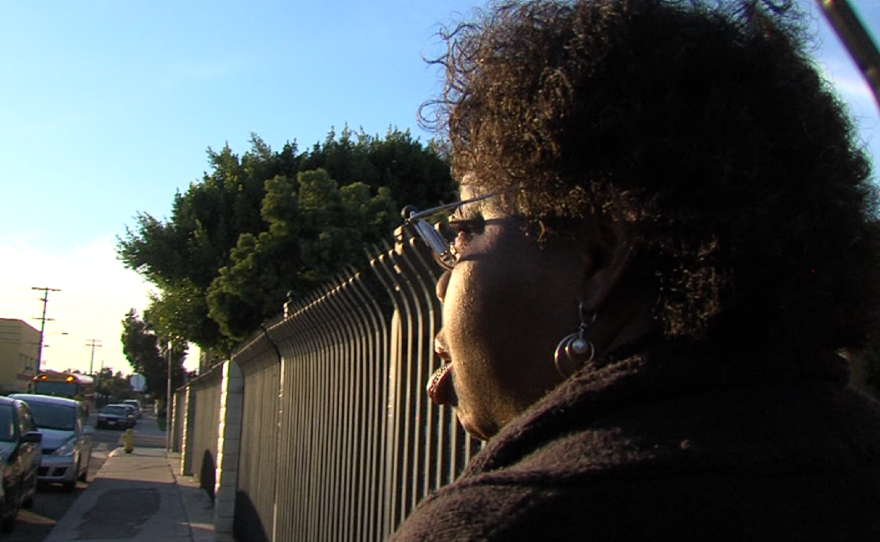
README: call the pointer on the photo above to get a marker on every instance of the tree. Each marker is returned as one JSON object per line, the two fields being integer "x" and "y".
{"x": 146, "y": 353}
{"x": 113, "y": 388}
{"x": 266, "y": 223}
{"x": 313, "y": 232}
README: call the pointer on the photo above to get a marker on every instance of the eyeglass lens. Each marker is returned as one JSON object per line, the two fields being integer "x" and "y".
{"x": 435, "y": 240}
{"x": 439, "y": 245}
{"x": 442, "y": 247}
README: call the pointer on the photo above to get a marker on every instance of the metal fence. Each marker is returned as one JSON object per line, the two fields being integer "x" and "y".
{"x": 202, "y": 413}
{"x": 338, "y": 440}
{"x": 175, "y": 414}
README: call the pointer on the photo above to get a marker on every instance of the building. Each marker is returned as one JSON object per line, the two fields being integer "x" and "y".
{"x": 19, "y": 347}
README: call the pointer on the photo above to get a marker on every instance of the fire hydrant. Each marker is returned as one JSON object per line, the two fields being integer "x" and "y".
{"x": 128, "y": 440}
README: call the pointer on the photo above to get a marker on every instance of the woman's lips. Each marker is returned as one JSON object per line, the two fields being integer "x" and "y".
{"x": 440, "y": 388}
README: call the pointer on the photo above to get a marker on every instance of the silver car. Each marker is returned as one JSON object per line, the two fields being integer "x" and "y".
{"x": 136, "y": 405}
{"x": 67, "y": 440}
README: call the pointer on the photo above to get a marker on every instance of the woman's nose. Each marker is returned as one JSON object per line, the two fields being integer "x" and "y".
{"x": 442, "y": 283}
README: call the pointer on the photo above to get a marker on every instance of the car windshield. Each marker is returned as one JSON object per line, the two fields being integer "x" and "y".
{"x": 7, "y": 426}
{"x": 53, "y": 416}
{"x": 115, "y": 410}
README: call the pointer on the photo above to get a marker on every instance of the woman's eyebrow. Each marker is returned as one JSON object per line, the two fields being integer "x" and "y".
{"x": 473, "y": 205}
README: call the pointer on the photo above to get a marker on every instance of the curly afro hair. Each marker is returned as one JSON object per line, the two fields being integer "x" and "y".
{"x": 704, "y": 126}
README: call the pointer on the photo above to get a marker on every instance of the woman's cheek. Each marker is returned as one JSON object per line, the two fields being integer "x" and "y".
{"x": 458, "y": 313}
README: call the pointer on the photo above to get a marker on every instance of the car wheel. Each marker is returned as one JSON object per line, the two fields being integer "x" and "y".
{"x": 29, "y": 500}
{"x": 70, "y": 486}
{"x": 8, "y": 522}
{"x": 84, "y": 477}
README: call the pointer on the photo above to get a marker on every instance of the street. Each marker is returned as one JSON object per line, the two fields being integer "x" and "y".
{"x": 52, "y": 502}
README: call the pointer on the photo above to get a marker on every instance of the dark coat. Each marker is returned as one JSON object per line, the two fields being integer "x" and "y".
{"x": 675, "y": 446}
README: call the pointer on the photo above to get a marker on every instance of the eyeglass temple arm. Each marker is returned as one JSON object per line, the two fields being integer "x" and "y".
{"x": 412, "y": 217}
{"x": 408, "y": 212}
{"x": 856, "y": 39}
{"x": 411, "y": 213}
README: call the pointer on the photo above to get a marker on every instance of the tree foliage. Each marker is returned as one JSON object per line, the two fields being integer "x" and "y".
{"x": 147, "y": 353}
{"x": 267, "y": 223}
{"x": 113, "y": 388}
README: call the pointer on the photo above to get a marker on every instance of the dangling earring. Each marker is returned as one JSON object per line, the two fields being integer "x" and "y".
{"x": 575, "y": 350}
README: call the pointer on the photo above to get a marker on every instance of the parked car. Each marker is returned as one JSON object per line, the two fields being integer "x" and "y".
{"x": 131, "y": 412}
{"x": 67, "y": 440}
{"x": 136, "y": 405}
{"x": 116, "y": 415}
{"x": 21, "y": 452}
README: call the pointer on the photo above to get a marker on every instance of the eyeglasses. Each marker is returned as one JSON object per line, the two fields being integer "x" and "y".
{"x": 442, "y": 248}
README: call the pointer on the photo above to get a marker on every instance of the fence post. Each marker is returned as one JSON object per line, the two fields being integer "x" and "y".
{"x": 228, "y": 445}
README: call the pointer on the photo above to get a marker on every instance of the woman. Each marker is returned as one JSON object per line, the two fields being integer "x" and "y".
{"x": 668, "y": 236}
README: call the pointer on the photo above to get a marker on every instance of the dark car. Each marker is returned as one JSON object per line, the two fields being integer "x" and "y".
{"x": 118, "y": 416}
{"x": 21, "y": 453}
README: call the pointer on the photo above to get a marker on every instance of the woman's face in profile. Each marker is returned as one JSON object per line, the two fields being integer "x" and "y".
{"x": 506, "y": 304}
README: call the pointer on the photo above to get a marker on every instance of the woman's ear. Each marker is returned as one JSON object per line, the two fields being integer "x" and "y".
{"x": 610, "y": 260}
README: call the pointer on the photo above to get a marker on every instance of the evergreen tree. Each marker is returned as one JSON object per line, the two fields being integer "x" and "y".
{"x": 266, "y": 223}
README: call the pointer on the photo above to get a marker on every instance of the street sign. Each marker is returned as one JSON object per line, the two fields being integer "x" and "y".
{"x": 138, "y": 382}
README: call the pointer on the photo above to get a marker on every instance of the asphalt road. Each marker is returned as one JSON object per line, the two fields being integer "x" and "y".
{"x": 52, "y": 502}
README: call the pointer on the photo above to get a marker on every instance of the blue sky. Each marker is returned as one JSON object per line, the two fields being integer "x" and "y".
{"x": 107, "y": 108}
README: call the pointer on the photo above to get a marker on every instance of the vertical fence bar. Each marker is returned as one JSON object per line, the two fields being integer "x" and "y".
{"x": 255, "y": 500}
{"x": 395, "y": 450}
{"x": 338, "y": 440}
{"x": 204, "y": 410}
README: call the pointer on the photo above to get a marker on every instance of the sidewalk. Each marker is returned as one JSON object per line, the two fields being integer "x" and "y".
{"x": 139, "y": 496}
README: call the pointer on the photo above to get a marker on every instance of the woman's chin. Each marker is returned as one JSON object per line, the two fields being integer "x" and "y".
{"x": 473, "y": 428}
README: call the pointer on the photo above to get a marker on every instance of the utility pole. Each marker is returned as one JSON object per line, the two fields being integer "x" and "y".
{"x": 98, "y": 376}
{"x": 168, "y": 401}
{"x": 45, "y": 300}
{"x": 94, "y": 343}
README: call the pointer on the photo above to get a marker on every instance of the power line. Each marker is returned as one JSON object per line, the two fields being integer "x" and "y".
{"x": 45, "y": 300}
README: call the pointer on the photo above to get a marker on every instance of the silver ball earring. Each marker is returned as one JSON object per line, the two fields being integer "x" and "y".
{"x": 575, "y": 350}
